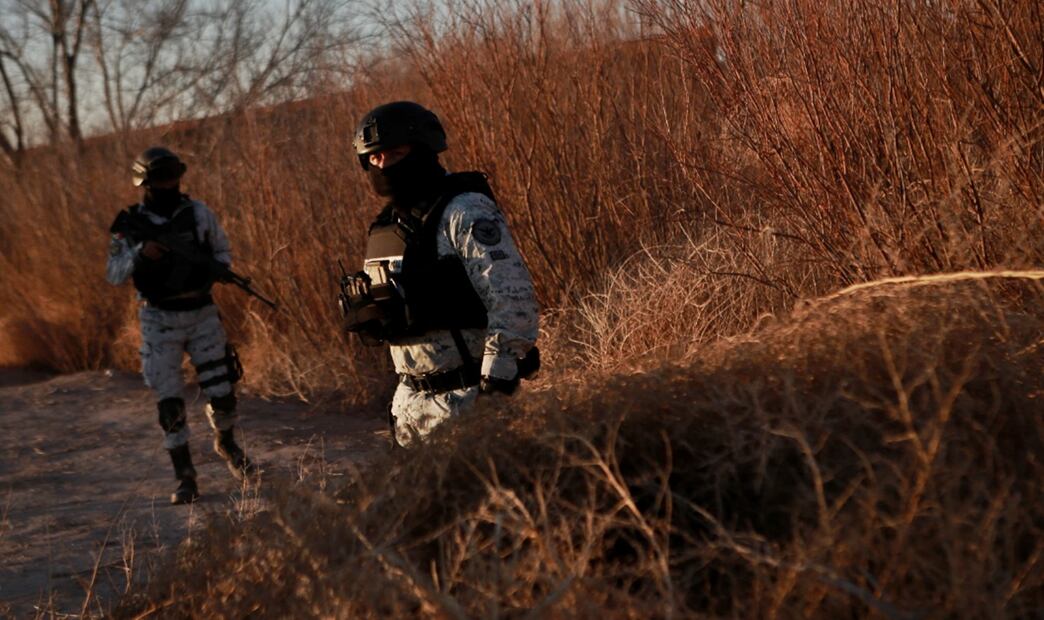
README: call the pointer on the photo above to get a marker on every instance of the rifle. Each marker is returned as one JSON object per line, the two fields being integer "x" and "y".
{"x": 139, "y": 229}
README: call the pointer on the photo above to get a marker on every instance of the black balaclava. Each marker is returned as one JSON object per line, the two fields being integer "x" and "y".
{"x": 409, "y": 181}
{"x": 162, "y": 201}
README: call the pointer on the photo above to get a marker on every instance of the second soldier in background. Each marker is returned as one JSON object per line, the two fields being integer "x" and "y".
{"x": 178, "y": 314}
{"x": 443, "y": 283}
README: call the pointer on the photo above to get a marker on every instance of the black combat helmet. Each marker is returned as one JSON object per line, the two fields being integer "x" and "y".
{"x": 395, "y": 124}
{"x": 157, "y": 164}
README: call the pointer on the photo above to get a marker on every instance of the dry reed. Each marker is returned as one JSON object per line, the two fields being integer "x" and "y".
{"x": 811, "y": 147}
{"x": 676, "y": 174}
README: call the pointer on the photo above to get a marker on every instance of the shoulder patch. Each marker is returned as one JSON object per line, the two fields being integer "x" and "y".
{"x": 486, "y": 232}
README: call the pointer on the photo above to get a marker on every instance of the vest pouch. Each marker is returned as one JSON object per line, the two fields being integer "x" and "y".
{"x": 373, "y": 307}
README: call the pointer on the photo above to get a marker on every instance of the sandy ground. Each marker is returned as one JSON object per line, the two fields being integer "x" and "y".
{"x": 85, "y": 482}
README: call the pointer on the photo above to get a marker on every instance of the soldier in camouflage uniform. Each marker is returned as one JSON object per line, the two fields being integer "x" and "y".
{"x": 178, "y": 314}
{"x": 443, "y": 283}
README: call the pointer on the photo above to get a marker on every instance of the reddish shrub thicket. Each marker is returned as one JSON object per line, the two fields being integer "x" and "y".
{"x": 821, "y": 144}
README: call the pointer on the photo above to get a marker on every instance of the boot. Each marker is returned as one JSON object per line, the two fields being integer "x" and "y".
{"x": 238, "y": 463}
{"x": 187, "y": 491}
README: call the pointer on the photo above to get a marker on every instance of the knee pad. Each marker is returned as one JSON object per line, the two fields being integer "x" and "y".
{"x": 171, "y": 414}
{"x": 226, "y": 403}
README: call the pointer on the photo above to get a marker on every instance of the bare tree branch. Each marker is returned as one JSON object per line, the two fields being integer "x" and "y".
{"x": 12, "y": 152}
{"x": 162, "y": 60}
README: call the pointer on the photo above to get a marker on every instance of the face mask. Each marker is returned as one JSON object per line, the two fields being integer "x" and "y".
{"x": 162, "y": 201}
{"x": 410, "y": 180}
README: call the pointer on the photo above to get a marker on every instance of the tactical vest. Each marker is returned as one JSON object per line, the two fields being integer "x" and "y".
{"x": 435, "y": 291}
{"x": 171, "y": 275}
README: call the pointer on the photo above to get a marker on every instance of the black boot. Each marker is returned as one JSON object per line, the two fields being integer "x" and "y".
{"x": 187, "y": 491}
{"x": 238, "y": 463}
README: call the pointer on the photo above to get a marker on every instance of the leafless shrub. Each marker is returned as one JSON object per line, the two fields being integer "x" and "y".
{"x": 871, "y": 455}
{"x": 792, "y": 158}
{"x": 884, "y": 139}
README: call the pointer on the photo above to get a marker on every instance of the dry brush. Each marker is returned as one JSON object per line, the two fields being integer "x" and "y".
{"x": 874, "y": 454}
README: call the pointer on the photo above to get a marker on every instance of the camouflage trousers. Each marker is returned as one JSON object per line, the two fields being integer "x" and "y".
{"x": 417, "y": 413}
{"x": 166, "y": 337}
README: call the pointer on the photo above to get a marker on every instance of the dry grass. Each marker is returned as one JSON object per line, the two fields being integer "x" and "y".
{"x": 875, "y": 454}
{"x": 674, "y": 181}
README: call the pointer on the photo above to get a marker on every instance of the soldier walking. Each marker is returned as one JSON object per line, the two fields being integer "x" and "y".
{"x": 443, "y": 283}
{"x": 178, "y": 314}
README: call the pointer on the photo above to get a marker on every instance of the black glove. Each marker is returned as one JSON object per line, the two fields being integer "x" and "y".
{"x": 530, "y": 364}
{"x": 489, "y": 385}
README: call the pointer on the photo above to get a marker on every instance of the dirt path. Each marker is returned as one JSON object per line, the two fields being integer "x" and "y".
{"x": 84, "y": 479}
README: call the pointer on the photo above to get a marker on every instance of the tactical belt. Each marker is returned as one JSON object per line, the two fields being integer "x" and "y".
{"x": 181, "y": 304}
{"x": 439, "y": 382}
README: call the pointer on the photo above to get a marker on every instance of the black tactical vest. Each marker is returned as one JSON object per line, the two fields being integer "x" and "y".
{"x": 436, "y": 289}
{"x": 172, "y": 275}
